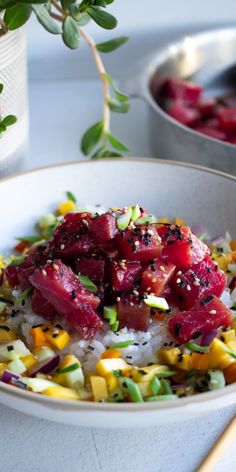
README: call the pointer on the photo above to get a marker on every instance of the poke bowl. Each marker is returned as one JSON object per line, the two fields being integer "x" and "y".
{"x": 191, "y": 125}
{"x": 114, "y": 313}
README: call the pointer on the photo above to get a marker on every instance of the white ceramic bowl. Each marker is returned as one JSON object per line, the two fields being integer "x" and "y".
{"x": 166, "y": 188}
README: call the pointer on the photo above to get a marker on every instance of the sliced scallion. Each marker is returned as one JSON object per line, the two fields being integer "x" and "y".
{"x": 156, "y": 302}
{"x": 166, "y": 373}
{"x": 70, "y": 368}
{"x": 150, "y": 219}
{"x": 155, "y": 385}
{"x": 133, "y": 390}
{"x": 24, "y": 295}
{"x": 88, "y": 284}
{"x": 115, "y": 326}
{"x": 135, "y": 213}
{"x": 18, "y": 260}
{"x": 30, "y": 239}
{"x": 71, "y": 197}
{"x": 196, "y": 348}
{"x": 123, "y": 219}
{"x": 122, "y": 344}
{"x": 166, "y": 388}
{"x": 161, "y": 398}
{"x": 110, "y": 314}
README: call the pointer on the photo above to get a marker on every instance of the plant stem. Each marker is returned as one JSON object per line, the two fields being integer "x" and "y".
{"x": 56, "y": 16}
{"x": 58, "y": 8}
{"x": 101, "y": 70}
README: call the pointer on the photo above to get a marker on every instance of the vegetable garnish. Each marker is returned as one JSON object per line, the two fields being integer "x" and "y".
{"x": 196, "y": 348}
{"x": 162, "y": 398}
{"x": 18, "y": 260}
{"x": 88, "y": 284}
{"x": 30, "y": 239}
{"x": 135, "y": 213}
{"x": 155, "y": 385}
{"x": 166, "y": 389}
{"x": 5, "y": 300}
{"x": 110, "y": 314}
{"x": 150, "y": 219}
{"x": 123, "y": 219}
{"x": 122, "y": 344}
{"x": 24, "y": 295}
{"x": 133, "y": 390}
{"x": 117, "y": 373}
{"x": 71, "y": 197}
{"x": 167, "y": 373}
{"x": 70, "y": 368}
{"x": 156, "y": 302}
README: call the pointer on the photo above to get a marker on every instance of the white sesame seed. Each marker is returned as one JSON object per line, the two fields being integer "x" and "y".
{"x": 62, "y": 246}
{"x": 44, "y": 272}
{"x": 135, "y": 292}
{"x": 179, "y": 272}
{"x": 148, "y": 289}
{"x": 131, "y": 304}
{"x": 188, "y": 288}
{"x": 196, "y": 283}
{"x": 212, "y": 312}
{"x": 55, "y": 266}
{"x": 178, "y": 281}
{"x": 162, "y": 268}
{"x": 154, "y": 280}
{"x": 136, "y": 243}
{"x": 118, "y": 299}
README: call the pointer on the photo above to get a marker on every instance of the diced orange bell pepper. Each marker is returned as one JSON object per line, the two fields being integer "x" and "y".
{"x": 111, "y": 354}
{"x": 230, "y": 373}
{"x": 39, "y": 336}
{"x": 21, "y": 246}
{"x": 233, "y": 245}
{"x": 200, "y": 361}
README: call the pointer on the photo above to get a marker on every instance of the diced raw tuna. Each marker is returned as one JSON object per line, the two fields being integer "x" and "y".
{"x": 181, "y": 247}
{"x": 231, "y": 139}
{"x": 104, "y": 228}
{"x": 140, "y": 244}
{"x": 133, "y": 314}
{"x": 207, "y": 315}
{"x": 19, "y": 274}
{"x": 156, "y": 276}
{"x": 211, "y": 132}
{"x": 110, "y": 249}
{"x": 183, "y": 113}
{"x": 227, "y": 117}
{"x": 11, "y": 274}
{"x": 228, "y": 101}
{"x": 124, "y": 275}
{"x": 42, "y": 307}
{"x": 36, "y": 254}
{"x": 72, "y": 237}
{"x": 175, "y": 88}
{"x": 202, "y": 280}
{"x": 92, "y": 267}
{"x": 207, "y": 106}
{"x": 60, "y": 287}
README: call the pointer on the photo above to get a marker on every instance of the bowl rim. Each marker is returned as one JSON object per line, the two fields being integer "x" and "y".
{"x": 75, "y": 405}
{"x": 157, "y": 59}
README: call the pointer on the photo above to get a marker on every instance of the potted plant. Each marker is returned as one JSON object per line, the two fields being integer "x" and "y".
{"x": 67, "y": 19}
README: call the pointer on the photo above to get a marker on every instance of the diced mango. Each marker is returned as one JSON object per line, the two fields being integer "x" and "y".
{"x": 3, "y": 366}
{"x": 111, "y": 354}
{"x": 112, "y": 382}
{"x": 179, "y": 222}
{"x": 145, "y": 389}
{"x": 62, "y": 392}
{"x": 59, "y": 338}
{"x": 233, "y": 245}
{"x": 29, "y": 361}
{"x": 219, "y": 359}
{"x": 231, "y": 345}
{"x": 230, "y": 373}
{"x": 164, "y": 220}
{"x": 200, "y": 361}
{"x": 39, "y": 336}
{"x": 145, "y": 374}
{"x": 169, "y": 356}
{"x": 99, "y": 388}
{"x": 185, "y": 362}
{"x": 228, "y": 336}
{"x": 106, "y": 366}
{"x": 66, "y": 207}
{"x": 6, "y": 335}
{"x": 223, "y": 261}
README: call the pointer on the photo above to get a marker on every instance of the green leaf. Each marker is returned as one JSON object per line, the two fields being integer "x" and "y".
{"x": 71, "y": 197}
{"x": 67, "y": 3}
{"x": 88, "y": 284}
{"x": 111, "y": 45}
{"x": 2, "y": 128}
{"x": 45, "y": 19}
{"x": 118, "y": 107}
{"x": 30, "y": 239}
{"x": 1, "y": 88}
{"x": 116, "y": 143}
{"x": 81, "y": 18}
{"x": 6, "y": 4}
{"x": 18, "y": 261}
{"x": 119, "y": 95}
{"x": 91, "y": 138}
{"x": 9, "y": 120}
{"x": 104, "y": 152}
{"x": 100, "y": 3}
{"x": 17, "y": 15}
{"x": 102, "y": 18}
{"x": 70, "y": 33}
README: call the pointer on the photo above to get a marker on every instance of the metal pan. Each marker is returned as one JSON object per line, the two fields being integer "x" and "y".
{"x": 208, "y": 58}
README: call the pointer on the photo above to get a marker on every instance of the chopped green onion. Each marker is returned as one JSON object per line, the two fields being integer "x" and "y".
{"x": 117, "y": 373}
{"x": 217, "y": 379}
{"x": 5, "y": 300}
{"x": 123, "y": 220}
{"x": 70, "y": 368}
{"x": 71, "y": 197}
{"x": 135, "y": 213}
{"x": 166, "y": 373}
{"x": 30, "y": 239}
{"x": 122, "y": 344}
{"x": 115, "y": 326}
{"x": 229, "y": 351}
{"x": 155, "y": 385}
{"x": 88, "y": 284}
{"x": 133, "y": 390}
{"x": 166, "y": 388}
{"x": 156, "y": 302}
{"x": 150, "y": 219}
{"x": 110, "y": 314}
{"x": 161, "y": 398}
{"x": 24, "y": 295}
{"x": 18, "y": 260}
{"x": 196, "y": 348}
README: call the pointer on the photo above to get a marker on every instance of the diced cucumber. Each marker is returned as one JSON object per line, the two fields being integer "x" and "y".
{"x": 44, "y": 354}
{"x": 217, "y": 379}
{"x": 13, "y": 350}
{"x": 37, "y": 384}
{"x": 17, "y": 366}
{"x": 75, "y": 378}
{"x": 156, "y": 302}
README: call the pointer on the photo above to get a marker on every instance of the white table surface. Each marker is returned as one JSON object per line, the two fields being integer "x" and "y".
{"x": 60, "y": 111}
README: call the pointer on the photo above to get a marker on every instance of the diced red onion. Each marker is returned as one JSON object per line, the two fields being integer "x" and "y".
{"x": 218, "y": 240}
{"x": 178, "y": 386}
{"x": 208, "y": 338}
{"x": 45, "y": 367}
{"x": 7, "y": 376}
{"x": 198, "y": 230}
